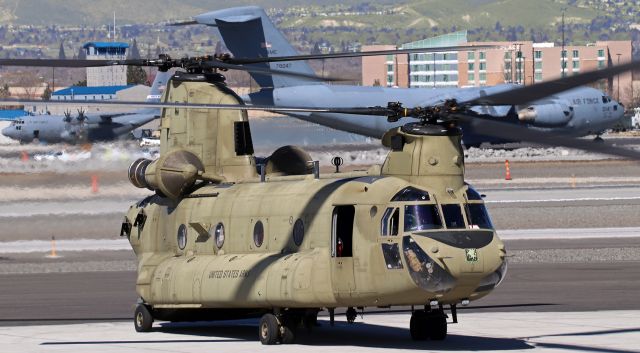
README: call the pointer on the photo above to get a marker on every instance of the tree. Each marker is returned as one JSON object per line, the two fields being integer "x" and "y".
{"x": 46, "y": 95}
{"x": 61, "y": 54}
{"x": 136, "y": 75}
{"x": 134, "y": 52}
{"x": 4, "y": 91}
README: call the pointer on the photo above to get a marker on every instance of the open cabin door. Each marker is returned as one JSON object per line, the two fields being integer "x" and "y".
{"x": 342, "y": 248}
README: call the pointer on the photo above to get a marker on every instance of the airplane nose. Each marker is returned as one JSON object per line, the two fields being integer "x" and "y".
{"x": 7, "y": 132}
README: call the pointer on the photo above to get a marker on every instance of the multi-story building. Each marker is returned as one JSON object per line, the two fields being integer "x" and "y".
{"x": 108, "y": 75}
{"x": 522, "y": 62}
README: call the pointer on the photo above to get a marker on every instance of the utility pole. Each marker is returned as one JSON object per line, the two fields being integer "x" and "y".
{"x": 562, "y": 52}
{"x": 618, "y": 89}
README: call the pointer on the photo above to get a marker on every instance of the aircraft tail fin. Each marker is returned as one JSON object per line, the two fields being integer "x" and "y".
{"x": 158, "y": 85}
{"x": 249, "y": 33}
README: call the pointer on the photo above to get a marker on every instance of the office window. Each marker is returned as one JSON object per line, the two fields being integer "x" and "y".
{"x": 538, "y": 76}
{"x": 575, "y": 54}
{"x": 576, "y": 64}
{"x": 482, "y": 55}
{"x": 483, "y": 76}
{"x": 564, "y": 53}
{"x": 538, "y": 54}
{"x": 471, "y": 55}
{"x": 601, "y": 64}
{"x": 538, "y": 65}
{"x": 600, "y": 53}
{"x": 471, "y": 66}
{"x": 472, "y": 77}
{"x": 389, "y": 57}
{"x": 389, "y": 68}
{"x": 507, "y": 55}
{"x": 483, "y": 66}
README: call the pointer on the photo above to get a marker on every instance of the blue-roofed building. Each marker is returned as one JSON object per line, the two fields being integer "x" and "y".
{"x": 11, "y": 114}
{"x": 108, "y": 75}
{"x": 88, "y": 93}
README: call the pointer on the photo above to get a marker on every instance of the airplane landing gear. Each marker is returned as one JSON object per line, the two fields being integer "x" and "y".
{"x": 428, "y": 324}
{"x": 598, "y": 139}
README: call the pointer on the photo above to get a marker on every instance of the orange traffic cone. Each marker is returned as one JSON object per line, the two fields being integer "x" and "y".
{"x": 53, "y": 253}
{"x": 94, "y": 183}
{"x": 507, "y": 175}
{"x": 24, "y": 156}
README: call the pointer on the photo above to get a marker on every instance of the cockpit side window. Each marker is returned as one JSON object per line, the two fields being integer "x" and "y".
{"x": 390, "y": 221}
{"x": 453, "y": 216}
{"x": 472, "y": 194}
{"x": 421, "y": 217}
{"x": 478, "y": 217}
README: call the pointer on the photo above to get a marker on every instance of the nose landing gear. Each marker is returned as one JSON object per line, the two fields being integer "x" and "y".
{"x": 428, "y": 325}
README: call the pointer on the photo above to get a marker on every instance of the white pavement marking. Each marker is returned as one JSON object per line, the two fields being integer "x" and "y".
{"x": 569, "y": 233}
{"x": 601, "y": 331}
{"x": 626, "y": 193}
{"x": 29, "y": 246}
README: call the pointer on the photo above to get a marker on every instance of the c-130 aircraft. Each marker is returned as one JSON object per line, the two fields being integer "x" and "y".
{"x": 86, "y": 127}
{"x": 249, "y": 33}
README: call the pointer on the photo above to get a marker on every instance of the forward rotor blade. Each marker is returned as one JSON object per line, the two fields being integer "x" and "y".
{"x": 377, "y": 111}
{"x": 183, "y": 23}
{"x": 490, "y": 127}
{"x": 357, "y": 54}
{"x": 528, "y": 94}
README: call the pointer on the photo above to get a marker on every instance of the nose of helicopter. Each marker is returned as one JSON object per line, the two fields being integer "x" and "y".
{"x": 464, "y": 262}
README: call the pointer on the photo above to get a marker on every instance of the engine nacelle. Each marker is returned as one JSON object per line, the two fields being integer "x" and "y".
{"x": 546, "y": 115}
{"x": 171, "y": 174}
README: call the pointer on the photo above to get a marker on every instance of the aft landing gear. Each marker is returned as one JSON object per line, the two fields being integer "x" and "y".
{"x": 278, "y": 329}
{"x": 428, "y": 324}
{"x": 142, "y": 319}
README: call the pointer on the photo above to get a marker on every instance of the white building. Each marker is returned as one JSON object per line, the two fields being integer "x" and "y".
{"x": 107, "y": 75}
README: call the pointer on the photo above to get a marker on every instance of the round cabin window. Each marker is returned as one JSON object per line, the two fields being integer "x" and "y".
{"x": 219, "y": 235}
{"x": 182, "y": 236}
{"x": 258, "y": 234}
{"x": 298, "y": 232}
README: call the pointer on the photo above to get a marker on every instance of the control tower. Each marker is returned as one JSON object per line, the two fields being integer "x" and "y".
{"x": 110, "y": 75}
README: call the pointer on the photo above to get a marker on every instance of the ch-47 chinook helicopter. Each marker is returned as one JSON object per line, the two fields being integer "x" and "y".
{"x": 228, "y": 235}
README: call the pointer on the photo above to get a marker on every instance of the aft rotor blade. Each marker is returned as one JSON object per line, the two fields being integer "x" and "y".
{"x": 79, "y": 63}
{"x": 268, "y": 72}
{"x": 376, "y": 111}
{"x": 357, "y": 54}
{"x": 509, "y": 131}
{"x": 528, "y": 94}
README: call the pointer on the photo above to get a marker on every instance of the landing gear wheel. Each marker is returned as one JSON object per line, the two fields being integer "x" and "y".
{"x": 418, "y": 326}
{"x": 288, "y": 329}
{"x": 351, "y": 315}
{"x": 269, "y": 329}
{"x": 142, "y": 319}
{"x": 437, "y": 328}
{"x": 598, "y": 139}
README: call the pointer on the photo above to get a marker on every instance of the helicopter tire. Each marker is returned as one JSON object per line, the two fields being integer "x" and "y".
{"x": 352, "y": 314}
{"x": 437, "y": 328}
{"x": 418, "y": 326}
{"x": 288, "y": 330}
{"x": 268, "y": 329}
{"x": 142, "y": 318}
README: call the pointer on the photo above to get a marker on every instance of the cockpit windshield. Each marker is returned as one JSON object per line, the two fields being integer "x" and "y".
{"x": 421, "y": 217}
{"x": 453, "y": 216}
